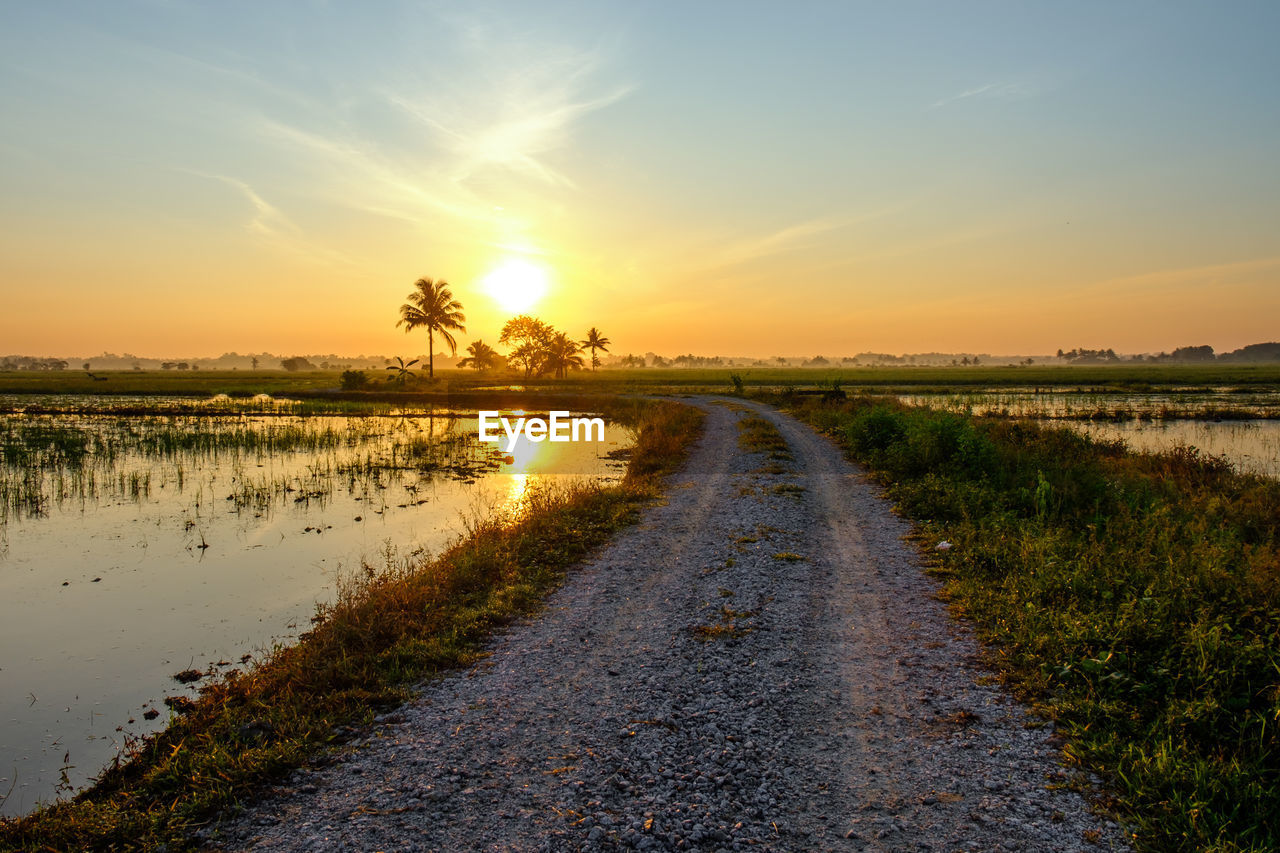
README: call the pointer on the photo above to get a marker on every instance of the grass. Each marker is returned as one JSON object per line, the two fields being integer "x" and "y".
{"x": 1135, "y": 599}
{"x": 1112, "y": 405}
{"x": 396, "y": 625}
{"x": 731, "y": 625}
{"x": 48, "y": 460}
{"x": 149, "y": 382}
{"x": 759, "y": 435}
{"x": 1137, "y": 377}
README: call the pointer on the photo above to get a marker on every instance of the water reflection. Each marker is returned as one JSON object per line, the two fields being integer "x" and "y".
{"x": 1250, "y": 440}
{"x": 1250, "y": 446}
{"x": 1086, "y": 404}
{"x": 163, "y": 544}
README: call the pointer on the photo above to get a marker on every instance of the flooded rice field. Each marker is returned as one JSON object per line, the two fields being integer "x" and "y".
{"x": 1088, "y": 404}
{"x": 1251, "y": 447}
{"x": 1242, "y": 426}
{"x": 135, "y": 547}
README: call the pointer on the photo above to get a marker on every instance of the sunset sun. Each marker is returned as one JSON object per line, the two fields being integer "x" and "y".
{"x": 516, "y": 285}
{"x": 782, "y": 398}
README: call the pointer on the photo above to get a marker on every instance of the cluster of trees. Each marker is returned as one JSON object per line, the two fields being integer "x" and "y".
{"x": 27, "y": 362}
{"x": 227, "y": 361}
{"x": 880, "y": 358}
{"x": 1253, "y": 353}
{"x": 1186, "y": 354}
{"x": 1088, "y": 356}
{"x": 691, "y": 360}
{"x": 1203, "y": 354}
{"x": 537, "y": 348}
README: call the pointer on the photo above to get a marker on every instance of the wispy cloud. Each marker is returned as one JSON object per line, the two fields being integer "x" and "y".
{"x": 525, "y": 127}
{"x": 787, "y": 239}
{"x": 268, "y": 224}
{"x": 358, "y": 173}
{"x": 708, "y": 271}
{"x": 1197, "y": 277}
{"x": 458, "y": 142}
{"x": 989, "y": 91}
{"x": 795, "y": 237}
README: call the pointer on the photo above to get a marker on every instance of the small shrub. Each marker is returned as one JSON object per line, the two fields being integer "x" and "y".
{"x": 1132, "y": 596}
{"x": 354, "y": 380}
{"x": 875, "y": 430}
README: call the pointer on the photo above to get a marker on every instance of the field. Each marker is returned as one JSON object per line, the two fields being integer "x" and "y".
{"x": 247, "y": 510}
{"x": 386, "y": 628}
{"x": 1246, "y": 378}
{"x": 1130, "y": 597}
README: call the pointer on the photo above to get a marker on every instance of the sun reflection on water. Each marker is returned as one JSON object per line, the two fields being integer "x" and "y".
{"x": 259, "y": 487}
{"x": 532, "y": 467}
{"x": 517, "y": 495}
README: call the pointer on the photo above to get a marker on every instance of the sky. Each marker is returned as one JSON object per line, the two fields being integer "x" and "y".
{"x": 735, "y": 178}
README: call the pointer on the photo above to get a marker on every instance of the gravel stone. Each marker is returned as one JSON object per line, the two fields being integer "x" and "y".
{"x": 687, "y": 690}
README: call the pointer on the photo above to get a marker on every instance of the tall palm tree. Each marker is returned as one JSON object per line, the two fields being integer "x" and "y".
{"x": 431, "y": 305}
{"x": 563, "y": 355}
{"x": 596, "y": 341}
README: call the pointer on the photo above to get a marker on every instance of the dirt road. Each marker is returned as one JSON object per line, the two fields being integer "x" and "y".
{"x": 760, "y": 664}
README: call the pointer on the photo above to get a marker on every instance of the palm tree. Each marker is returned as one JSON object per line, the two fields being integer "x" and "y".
{"x": 402, "y": 371}
{"x": 432, "y": 305}
{"x": 483, "y": 357}
{"x": 563, "y": 355}
{"x": 596, "y": 341}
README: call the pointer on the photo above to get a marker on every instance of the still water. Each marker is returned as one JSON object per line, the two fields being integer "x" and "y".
{"x": 1251, "y": 447}
{"x": 134, "y": 547}
{"x": 1083, "y": 404}
{"x": 1249, "y": 439}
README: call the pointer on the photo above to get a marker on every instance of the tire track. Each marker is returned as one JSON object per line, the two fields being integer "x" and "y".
{"x": 750, "y": 667}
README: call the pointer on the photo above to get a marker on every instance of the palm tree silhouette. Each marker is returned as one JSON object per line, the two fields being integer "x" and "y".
{"x": 596, "y": 341}
{"x": 563, "y": 355}
{"x": 432, "y": 305}
{"x": 483, "y": 357}
{"x": 402, "y": 371}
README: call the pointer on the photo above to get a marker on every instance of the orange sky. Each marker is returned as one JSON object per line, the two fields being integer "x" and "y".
{"x": 178, "y": 181}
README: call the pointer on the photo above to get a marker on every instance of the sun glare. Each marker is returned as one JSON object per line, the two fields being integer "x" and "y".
{"x": 516, "y": 285}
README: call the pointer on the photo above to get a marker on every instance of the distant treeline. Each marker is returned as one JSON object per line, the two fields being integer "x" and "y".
{"x": 1251, "y": 354}
{"x": 1204, "y": 354}
{"x": 226, "y": 361}
{"x": 27, "y": 362}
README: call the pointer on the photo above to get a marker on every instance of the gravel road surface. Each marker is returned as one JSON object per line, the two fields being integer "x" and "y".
{"x": 761, "y": 663}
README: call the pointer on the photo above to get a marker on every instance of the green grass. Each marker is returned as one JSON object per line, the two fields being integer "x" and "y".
{"x": 731, "y": 624}
{"x": 384, "y": 633}
{"x": 758, "y": 435}
{"x": 1144, "y": 377}
{"x": 1134, "y": 598}
{"x": 146, "y": 382}
{"x": 48, "y": 460}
